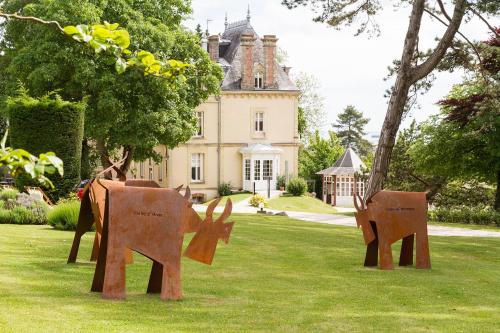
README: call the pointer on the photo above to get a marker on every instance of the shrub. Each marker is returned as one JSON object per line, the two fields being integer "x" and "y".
{"x": 281, "y": 182}
{"x": 8, "y": 194}
{"x": 465, "y": 215}
{"x": 49, "y": 124}
{"x": 64, "y": 216}
{"x": 297, "y": 187}
{"x": 257, "y": 199}
{"x": 23, "y": 210}
{"x": 224, "y": 189}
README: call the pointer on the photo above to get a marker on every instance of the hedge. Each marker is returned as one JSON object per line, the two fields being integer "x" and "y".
{"x": 465, "y": 215}
{"x": 64, "y": 216}
{"x": 45, "y": 124}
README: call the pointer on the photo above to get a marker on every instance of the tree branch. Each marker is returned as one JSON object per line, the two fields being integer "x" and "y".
{"x": 458, "y": 32}
{"x": 443, "y": 10}
{"x": 422, "y": 70}
{"x": 475, "y": 12}
{"x": 32, "y": 19}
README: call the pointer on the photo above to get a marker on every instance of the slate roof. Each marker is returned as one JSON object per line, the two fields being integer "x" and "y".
{"x": 349, "y": 163}
{"x": 230, "y": 54}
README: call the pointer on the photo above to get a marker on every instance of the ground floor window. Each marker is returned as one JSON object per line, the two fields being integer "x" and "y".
{"x": 247, "y": 169}
{"x": 197, "y": 167}
{"x": 256, "y": 170}
{"x": 268, "y": 170}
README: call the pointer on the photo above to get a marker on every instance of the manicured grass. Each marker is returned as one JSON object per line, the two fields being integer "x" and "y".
{"x": 234, "y": 198}
{"x": 275, "y": 275}
{"x": 301, "y": 204}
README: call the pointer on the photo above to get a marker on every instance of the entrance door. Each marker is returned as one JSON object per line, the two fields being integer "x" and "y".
{"x": 264, "y": 174}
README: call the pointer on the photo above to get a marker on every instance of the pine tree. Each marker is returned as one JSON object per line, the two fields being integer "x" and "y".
{"x": 350, "y": 128}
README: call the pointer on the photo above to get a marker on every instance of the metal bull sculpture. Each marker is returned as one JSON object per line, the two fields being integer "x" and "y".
{"x": 391, "y": 216}
{"x": 92, "y": 213}
{"x": 153, "y": 222}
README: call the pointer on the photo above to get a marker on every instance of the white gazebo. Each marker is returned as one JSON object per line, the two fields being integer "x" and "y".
{"x": 340, "y": 181}
{"x": 261, "y": 164}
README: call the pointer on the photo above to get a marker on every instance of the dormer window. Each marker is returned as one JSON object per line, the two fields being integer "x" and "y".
{"x": 259, "y": 82}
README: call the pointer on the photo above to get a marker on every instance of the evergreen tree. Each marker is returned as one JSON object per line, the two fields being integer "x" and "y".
{"x": 350, "y": 128}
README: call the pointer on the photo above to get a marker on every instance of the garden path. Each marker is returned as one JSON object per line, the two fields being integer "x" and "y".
{"x": 244, "y": 207}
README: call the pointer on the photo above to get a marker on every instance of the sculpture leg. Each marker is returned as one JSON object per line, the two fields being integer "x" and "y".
{"x": 423, "y": 256}
{"x": 85, "y": 221}
{"x": 114, "y": 277}
{"x": 406, "y": 256}
{"x": 155, "y": 278}
{"x": 385, "y": 252}
{"x": 95, "y": 247}
{"x": 171, "y": 284}
{"x": 371, "y": 257}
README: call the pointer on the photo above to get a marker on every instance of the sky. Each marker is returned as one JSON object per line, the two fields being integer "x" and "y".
{"x": 349, "y": 69}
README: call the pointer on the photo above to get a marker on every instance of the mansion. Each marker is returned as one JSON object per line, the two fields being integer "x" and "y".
{"x": 247, "y": 136}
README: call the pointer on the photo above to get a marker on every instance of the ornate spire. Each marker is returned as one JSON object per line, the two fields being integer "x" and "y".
{"x": 248, "y": 13}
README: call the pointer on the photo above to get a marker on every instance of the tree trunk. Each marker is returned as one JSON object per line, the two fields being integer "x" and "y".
{"x": 407, "y": 76}
{"x": 396, "y": 104}
{"x": 497, "y": 195}
{"x": 104, "y": 157}
{"x": 129, "y": 152}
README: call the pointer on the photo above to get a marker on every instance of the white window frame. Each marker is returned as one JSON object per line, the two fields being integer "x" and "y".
{"x": 259, "y": 122}
{"x": 267, "y": 170}
{"x": 160, "y": 171}
{"x": 200, "y": 131}
{"x": 257, "y": 170}
{"x": 259, "y": 81}
{"x": 248, "y": 169}
{"x": 197, "y": 162}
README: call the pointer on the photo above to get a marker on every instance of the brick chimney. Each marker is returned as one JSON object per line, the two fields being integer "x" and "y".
{"x": 213, "y": 47}
{"x": 269, "y": 60}
{"x": 247, "y": 77}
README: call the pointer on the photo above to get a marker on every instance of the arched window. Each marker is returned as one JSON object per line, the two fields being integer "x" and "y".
{"x": 258, "y": 76}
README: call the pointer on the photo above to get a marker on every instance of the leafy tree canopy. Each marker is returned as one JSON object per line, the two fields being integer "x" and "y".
{"x": 129, "y": 111}
{"x": 319, "y": 154}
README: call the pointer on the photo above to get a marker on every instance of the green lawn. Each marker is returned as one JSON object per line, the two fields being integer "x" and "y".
{"x": 234, "y": 198}
{"x": 301, "y": 204}
{"x": 276, "y": 275}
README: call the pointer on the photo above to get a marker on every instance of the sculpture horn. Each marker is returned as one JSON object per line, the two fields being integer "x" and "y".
{"x": 211, "y": 208}
{"x": 179, "y": 188}
{"x": 356, "y": 202}
{"x": 187, "y": 194}
{"x": 363, "y": 207}
{"x": 226, "y": 213}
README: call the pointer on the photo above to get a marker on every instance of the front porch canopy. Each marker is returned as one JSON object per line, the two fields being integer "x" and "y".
{"x": 261, "y": 164}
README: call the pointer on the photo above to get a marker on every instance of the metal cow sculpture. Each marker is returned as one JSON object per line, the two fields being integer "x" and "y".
{"x": 153, "y": 222}
{"x": 92, "y": 209}
{"x": 391, "y": 216}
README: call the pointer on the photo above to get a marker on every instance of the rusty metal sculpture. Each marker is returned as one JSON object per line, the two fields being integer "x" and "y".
{"x": 153, "y": 221}
{"x": 388, "y": 217}
{"x": 92, "y": 209}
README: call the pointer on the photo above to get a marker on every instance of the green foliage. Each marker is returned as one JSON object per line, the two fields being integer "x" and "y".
{"x": 258, "y": 199}
{"x": 133, "y": 111}
{"x": 465, "y": 215}
{"x": 462, "y": 150}
{"x": 470, "y": 194}
{"x": 350, "y": 128}
{"x": 297, "y": 187}
{"x": 20, "y": 163}
{"x": 319, "y": 154}
{"x": 49, "y": 123}
{"x": 311, "y": 113}
{"x": 64, "y": 216}
{"x": 8, "y": 194}
{"x": 224, "y": 189}
{"x": 20, "y": 208}
{"x": 281, "y": 182}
